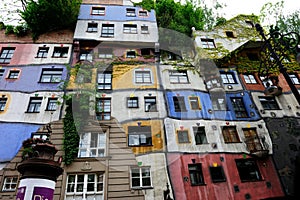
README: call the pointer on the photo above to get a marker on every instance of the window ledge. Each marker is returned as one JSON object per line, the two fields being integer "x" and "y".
{"x": 32, "y": 112}
{"x": 142, "y": 188}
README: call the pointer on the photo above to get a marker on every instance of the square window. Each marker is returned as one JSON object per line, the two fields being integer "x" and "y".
{"x": 103, "y": 109}
{"x": 239, "y": 107}
{"x": 208, "y": 43}
{"x": 92, "y": 27}
{"x": 179, "y": 104}
{"x": 140, "y": 177}
{"x": 86, "y": 55}
{"x": 194, "y": 103}
{"x": 150, "y": 104}
{"x": 295, "y": 79}
{"x": 217, "y": 174}
{"x": 98, "y": 11}
{"x": 60, "y": 52}
{"x": 249, "y": 79}
{"x": 142, "y": 76}
{"x": 52, "y": 104}
{"x": 130, "y": 28}
{"x": 268, "y": 103}
{"x": 105, "y": 53}
{"x": 10, "y": 183}
{"x": 196, "y": 175}
{"x": 143, "y": 13}
{"x": 130, "y": 12}
{"x": 183, "y": 136}
{"x": 178, "y": 76}
{"x": 132, "y": 102}
{"x": 51, "y": 75}
{"x": 34, "y": 104}
{"x": 13, "y": 74}
{"x": 200, "y": 135}
{"x": 7, "y": 54}
{"x": 144, "y": 29}
{"x": 248, "y": 170}
{"x": 2, "y": 103}
{"x": 108, "y": 30}
{"x": 104, "y": 80}
{"x": 251, "y": 139}
{"x": 42, "y": 52}
{"x": 230, "y": 34}
{"x": 227, "y": 77}
{"x": 139, "y": 136}
{"x": 130, "y": 54}
{"x": 92, "y": 145}
{"x": 230, "y": 134}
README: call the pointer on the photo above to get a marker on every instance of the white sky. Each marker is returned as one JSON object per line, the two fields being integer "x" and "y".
{"x": 233, "y": 8}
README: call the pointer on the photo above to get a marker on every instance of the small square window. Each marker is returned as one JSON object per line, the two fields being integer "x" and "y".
{"x": 150, "y": 104}
{"x": 249, "y": 79}
{"x": 130, "y": 54}
{"x": 132, "y": 102}
{"x": 7, "y": 54}
{"x": 208, "y": 43}
{"x": 194, "y": 103}
{"x": 266, "y": 81}
{"x": 52, "y": 104}
{"x": 196, "y": 175}
{"x": 92, "y": 145}
{"x": 143, "y": 13}
{"x": 60, "y": 52}
{"x": 217, "y": 174}
{"x": 144, "y": 29}
{"x": 92, "y": 27}
{"x": 130, "y": 12}
{"x": 3, "y": 102}
{"x": 13, "y": 74}
{"x": 183, "y": 136}
{"x": 98, "y": 11}
{"x": 228, "y": 77}
{"x": 42, "y": 52}
{"x": 10, "y": 183}
{"x": 34, "y": 104}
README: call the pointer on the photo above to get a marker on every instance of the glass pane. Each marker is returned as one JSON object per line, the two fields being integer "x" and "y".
{"x": 146, "y": 182}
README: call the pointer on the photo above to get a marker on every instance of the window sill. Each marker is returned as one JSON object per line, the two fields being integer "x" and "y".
{"x": 40, "y": 57}
{"x": 202, "y": 184}
{"x": 150, "y": 145}
{"x": 50, "y": 110}
{"x": 32, "y": 112}
{"x": 142, "y": 188}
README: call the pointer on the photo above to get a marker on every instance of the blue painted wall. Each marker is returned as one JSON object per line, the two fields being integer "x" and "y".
{"x": 206, "y": 105}
{"x": 11, "y": 137}
{"x": 113, "y": 13}
{"x": 29, "y": 78}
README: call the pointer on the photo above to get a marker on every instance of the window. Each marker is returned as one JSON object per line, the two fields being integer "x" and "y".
{"x": 218, "y": 101}
{"x": 295, "y": 79}
{"x": 34, "y": 104}
{"x": 239, "y": 107}
{"x": 230, "y": 34}
{"x": 146, "y": 52}
{"x": 42, "y": 52}
{"x": 196, "y": 175}
{"x": 230, "y": 134}
{"x": 6, "y": 54}
{"x": 143, "y": 13}
{"x": 208, "y": 43}
{"x": 179, "y": 104}
{"x": 144, "y": 29}
{"x": 92, "y": 27}
{"x": 98, "y": 10}
{"x": 140, "y": 177}
{"x": 132, "y": 102}
{"x": 130, "y": 12}
{"x": 10, "y": 183}
{"x": 92, "y": 145}
{"x": 108, "y": 30}
{"x": 268, "y": 103}
{"x": 248, "y": 170}
{"x": 51, "y": 75}
{"x": 105, "y": 53}
{"x": 103, "y": 109}
{"x": 139, "y": 136}
{"x": 60, "y": 52}
{"x": 227, "y": 77}
{"x": 252, "y": 140}
{"x": 43, "y": 136}
{"x": 217, "y": 174}
{"x": 13, "y": 74}
{"x": 249, "y": 79}
{"x": 142, "y": 76}
{"x": 178, "y": 76}
{"x": 130, "y": 54}
{"x": 183, "y": 136}
{"x": 86, "y": 55}
{"x": 194, "y": 103}
{"x": 266, "y": 81}
{"x": 200, "y": 135}
{"x": 85, "y": 186}
{"x": 52, "y": 104}
{"x": 1, "y": 72}
{"x": 104, "y": 80}
{"x": 129, "y": 28}
{"x": 2, "y": 103}
{"x": 150, "y": 104}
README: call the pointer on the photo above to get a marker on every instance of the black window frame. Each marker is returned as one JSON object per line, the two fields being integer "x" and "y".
{"x": 6, "y": 54}
{"x": 268, "y": 103}
{"x": 60, "y": 52}
{"x": 208, "y": 43}
{"x": 104, "y": 80}
{"x": 14, "y": 74}
{"x": 142, "y": 133}
{"x": 3, "y": 102}
{"x": 144, "y": 29}
{"x": 52, "y": 104}
{"x": 142, "y": 77}
{"x": 239, "y": 107}
{"x": 2, "y": 71}
{"x": 196, "y": 174}
{"x": 246, "y": 172}
{"x": 55, "y": 75}
{"x": 130, "y": 12}
{"x": 150, "y": 104}
{"x": 37, "y": 105}
{"x": 131, "y": 54}
{"x": 217, "y": 174}
{"x": 98, "y": 11}
{"x": 42, "y": 52}
{"x": 92, "y": 27}
{"x": 294, "y": 78}
{"x": 132, "y": 102}
{"x": 108, "y": 30}
{"x": 130, "y": 28}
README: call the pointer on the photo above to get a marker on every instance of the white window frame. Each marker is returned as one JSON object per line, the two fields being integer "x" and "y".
{"x": 228, "y": 77}
{"x": 9, "y": 181}
{"x": 88, "y": 149}
{"x": 178, "y": 76}
{"x": 208, "y": 43}
{"x": 142, "y": 77}
{"x": 140, "y": 177}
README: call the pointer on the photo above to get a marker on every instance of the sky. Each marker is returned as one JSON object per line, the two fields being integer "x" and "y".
{"x": 233, "y": 7}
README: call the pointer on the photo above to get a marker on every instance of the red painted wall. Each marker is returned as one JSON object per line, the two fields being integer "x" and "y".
{"x": 178, "y": 167}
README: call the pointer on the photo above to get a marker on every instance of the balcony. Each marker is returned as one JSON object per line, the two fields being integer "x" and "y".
{"x": 257, "y": 146}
